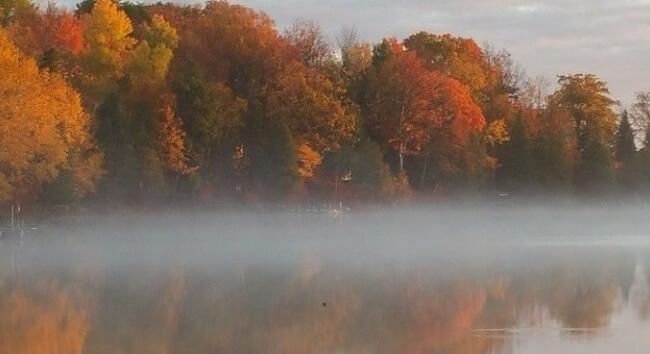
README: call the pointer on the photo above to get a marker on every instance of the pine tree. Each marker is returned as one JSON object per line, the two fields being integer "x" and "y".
{"x": 625, "y": 153}
{"x": 516, "y": 158}
{"x": 625, "y": 147}
{"x": 281, "y": 163}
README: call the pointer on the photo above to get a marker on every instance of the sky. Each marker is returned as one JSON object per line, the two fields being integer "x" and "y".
{"x": 608, "y": 38}
{"x": 549, "y": 38}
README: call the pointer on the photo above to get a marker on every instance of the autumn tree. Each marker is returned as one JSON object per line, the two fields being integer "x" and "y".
{"x": 231, "y": 44}
{"x": 555, "y": 150}
{"x": 43, "y": 127}
{"x": 460, "y": 58}
{"x": 356, "y": 59}
{"x": 171, "y": 140}
{"x": 314, "y": 109}
{"x": 212, "y": 116}
{"x": 52, "y": 36}
{"x": 399, "y": 107}
{"x": 455, "y": 151}
{"x": 61, "y": 40}
{"x": 10, "y": 9}
{"x": 490, "y": 77}
{"x": 107, "y": 34}
{"x": 585, "y": 98}
{"x": 158, "y": 135}
{"x": 309, "y": 43}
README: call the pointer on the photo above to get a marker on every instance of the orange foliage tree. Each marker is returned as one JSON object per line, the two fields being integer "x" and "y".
{"x": 400, "y": 106}
{"x": 43, "y": 127}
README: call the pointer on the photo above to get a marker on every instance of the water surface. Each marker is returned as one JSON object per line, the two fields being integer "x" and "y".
{"x": 457, "y": 280}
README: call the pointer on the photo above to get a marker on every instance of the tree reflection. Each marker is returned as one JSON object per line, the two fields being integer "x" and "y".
{"x": 310, "y": 307}
{"x": 43, "y": 316}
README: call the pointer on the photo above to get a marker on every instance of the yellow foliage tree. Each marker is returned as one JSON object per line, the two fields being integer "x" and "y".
{"x": 313, "y": 108}
{"x": 107, "y": 33}
{"x": 151, "y": 58}
{"x": 171, "y": 141}
{"x": 43, "y": 127}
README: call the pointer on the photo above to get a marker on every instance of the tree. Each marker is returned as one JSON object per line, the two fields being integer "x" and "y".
{"x": 230, "y": 44}
{"x": 360, "y": 172}
{"x": 211, "y": 114}
{"x": 625, "y": 152}
{"x": 171, "y": 141}
{"x": 356, "y": 58}
{"x": 586, "y": 100}
{"x": 309, "y": 43}
{"x": 313, "y": 107}
{"x": 370, "y": 175}
{"x": 53, "y": 32}
{"x": 643, "y": 163}
{"x": 625, "y": 147}
{"x": 456, "y": 148}
{"x": 399, "y": 106}
{"x": 151, "y": 58}
{"x": 516, "y": 169}
{"x": 460, "y": 58}
{"x": 107, "y": 34}
{"x": 60, "y": 31}
{"x": 43, "y": 127}
{"x": 503, "y": 86}
{"x": 640, "y": 113}
{"x": 555, "y": 150}
{"x": 114, "y": 136}
{"x": 281, "y": 165}
{"x": 9, "y": 9}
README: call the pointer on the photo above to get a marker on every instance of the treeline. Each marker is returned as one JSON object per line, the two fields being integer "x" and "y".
{"x": 132, "y": 103}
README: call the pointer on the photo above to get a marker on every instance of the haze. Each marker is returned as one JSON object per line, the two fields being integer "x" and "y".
{"x": 477, "y": 278}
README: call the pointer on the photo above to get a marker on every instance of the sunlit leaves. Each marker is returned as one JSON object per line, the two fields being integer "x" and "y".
{"x": 107, "y": 33}
{"x": 42, "y": 122}
{"x": 313, "y": 108}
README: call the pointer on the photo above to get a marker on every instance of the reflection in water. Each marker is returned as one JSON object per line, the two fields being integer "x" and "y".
{"x": 69, "y": 297}
{"x": 639, "y": 293}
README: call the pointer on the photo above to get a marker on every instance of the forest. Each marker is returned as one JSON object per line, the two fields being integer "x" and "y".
{"x": 133, "y": 104}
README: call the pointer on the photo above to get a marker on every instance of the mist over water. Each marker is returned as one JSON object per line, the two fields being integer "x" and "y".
{"x": 454, "y": 279}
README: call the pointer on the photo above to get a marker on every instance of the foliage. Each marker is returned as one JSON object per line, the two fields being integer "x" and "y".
{"x": 42, "y": 125}
{"x": 399, "y": 107}
{"x": 309, "y": 43}
{"x": 107, "y": 34}
{"x": 186, "y": 101}
{"x": 313, "y": 107}
{"x": 585, "y": 98}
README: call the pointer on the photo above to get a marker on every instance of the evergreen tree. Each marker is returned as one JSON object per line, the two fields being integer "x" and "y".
{"x": 281, "y": 162}
{"x": 371, "y": 176}
{"x": 114, "y": 136}
{"x": 625, "y": 153}
{"x": 625, "y": 147}
{"x": 596, "y": 166}
{"x": 517, "y": 161}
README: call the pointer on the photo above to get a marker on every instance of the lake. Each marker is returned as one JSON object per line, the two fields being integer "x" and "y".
{"x": 479, "y": 279}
